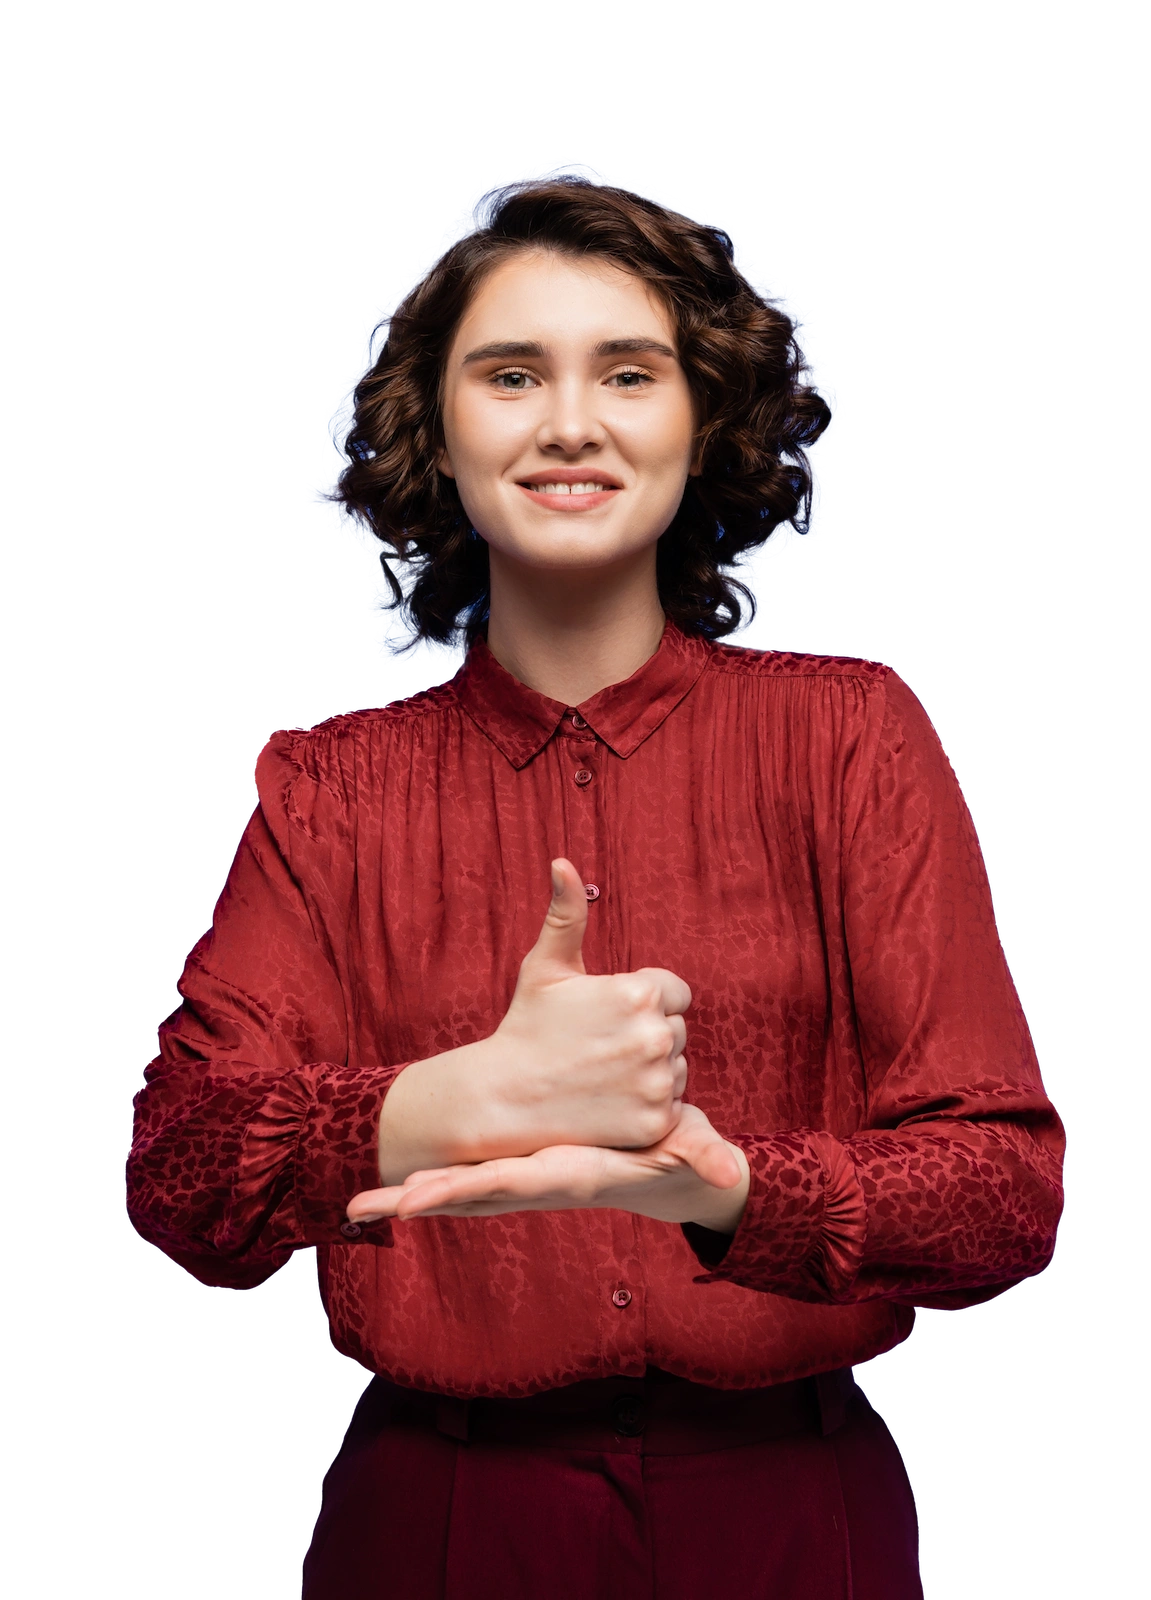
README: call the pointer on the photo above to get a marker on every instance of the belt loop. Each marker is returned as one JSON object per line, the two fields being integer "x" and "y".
{"x": 832, "y": 1389}
{"x": 452, "y": 1417}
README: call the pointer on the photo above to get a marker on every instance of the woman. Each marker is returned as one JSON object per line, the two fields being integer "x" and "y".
{"x": 611, "y": 1206}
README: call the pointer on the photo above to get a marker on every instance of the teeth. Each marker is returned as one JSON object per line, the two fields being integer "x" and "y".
{"x": 568, "y": 488}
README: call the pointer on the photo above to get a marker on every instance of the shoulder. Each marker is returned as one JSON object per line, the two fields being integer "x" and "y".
{"x": 738, "y": 661}
{"x": 861, "y": 702}
{"x": 339, "y": 735}
{"x": 389, "y": 720}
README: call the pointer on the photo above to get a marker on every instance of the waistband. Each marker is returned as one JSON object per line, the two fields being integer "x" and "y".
{"x": 658, "y": 1415}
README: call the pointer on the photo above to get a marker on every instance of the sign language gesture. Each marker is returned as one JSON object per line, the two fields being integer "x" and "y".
{"x": 691, "y": 1175}
{"x": 574, "y": 1101}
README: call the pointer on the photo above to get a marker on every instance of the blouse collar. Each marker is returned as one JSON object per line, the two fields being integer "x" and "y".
{"x": 519, "y": 721}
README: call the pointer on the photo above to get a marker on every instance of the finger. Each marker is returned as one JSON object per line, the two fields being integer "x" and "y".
{"x": 674, "y": 994}
{"x": 426, "y": 1174}
{"x": 437, "y": 1191}
{"x": 679, "y": 1077}
{"x": 560, "y": 944}
{"x": 373, "y": 1204}
{"x": 425, "y": 1199}
{"x": 558, "y": 1177}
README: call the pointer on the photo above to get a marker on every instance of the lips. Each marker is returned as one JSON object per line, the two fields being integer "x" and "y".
{"x": 570, "y": 488}
{"x": 583, "y": 495}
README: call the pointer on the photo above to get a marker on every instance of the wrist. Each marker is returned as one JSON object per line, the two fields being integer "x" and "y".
{"x": 434, "y": 1114}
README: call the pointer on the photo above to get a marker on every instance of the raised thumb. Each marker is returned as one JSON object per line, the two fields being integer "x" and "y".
{"x": 561, "y": 938}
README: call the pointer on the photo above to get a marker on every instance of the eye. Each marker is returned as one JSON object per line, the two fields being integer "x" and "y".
{"x": 631, "y": 379}
{"x": 514, "y": 380}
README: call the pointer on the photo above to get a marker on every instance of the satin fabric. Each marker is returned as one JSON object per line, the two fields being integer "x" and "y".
{"x": 782, "y": 830}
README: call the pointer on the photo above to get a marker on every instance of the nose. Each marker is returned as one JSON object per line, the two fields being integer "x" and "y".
{"x": 570, "y": 424}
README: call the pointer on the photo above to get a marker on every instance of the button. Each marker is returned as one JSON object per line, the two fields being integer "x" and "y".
{"x": 627, "y": 1415}
{"x": 583, "y": 775}
{"x": 351, "y": 1230}
{"x": 591, "y": 890}
{"x": 578, "y": 721}
{"x": 621, "y": 1298}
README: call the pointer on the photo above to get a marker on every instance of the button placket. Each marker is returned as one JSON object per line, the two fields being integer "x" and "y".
{"x": 587, "y": 765}
{"x": 581, "y": 757}
{"x": 583, "y": 752}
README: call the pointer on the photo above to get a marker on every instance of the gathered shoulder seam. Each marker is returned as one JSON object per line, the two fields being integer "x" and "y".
{"x": 739, "y": 661}
{"x": 427, "y": 703}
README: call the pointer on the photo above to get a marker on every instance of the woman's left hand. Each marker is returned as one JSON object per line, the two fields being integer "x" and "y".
{"x": 691, "y": 1175}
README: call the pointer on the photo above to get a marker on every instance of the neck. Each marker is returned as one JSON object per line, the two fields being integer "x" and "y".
{"x": 571, "y": 634}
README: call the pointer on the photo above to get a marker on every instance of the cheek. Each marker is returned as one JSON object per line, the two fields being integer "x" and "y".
{"x": 482, "y": 436}
{"x": 662, "y": 438}
{"x": 685, "y": 428}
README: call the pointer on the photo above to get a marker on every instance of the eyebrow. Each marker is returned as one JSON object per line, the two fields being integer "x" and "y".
{"x": 527, "y": 350}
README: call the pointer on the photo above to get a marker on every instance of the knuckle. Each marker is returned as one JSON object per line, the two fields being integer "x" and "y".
{"x": 653, "y": 1125}
{"x": 633, "y": 992}
{"x": 657, "y": 1041}
{"x": 658, "y": 1086}
{"x": 638, "y": 1050}
{"x": 637, "y": 993}
{"x": 652, "y": 1093}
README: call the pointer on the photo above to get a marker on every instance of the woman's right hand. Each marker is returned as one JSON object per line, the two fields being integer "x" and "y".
{"x": 578, "y": 1059}
{"x": 598, "y": 1060}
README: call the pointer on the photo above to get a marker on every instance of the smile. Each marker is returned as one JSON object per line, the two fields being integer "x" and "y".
{"x": 571, "y": 490}
{"x": 566, "y": 488}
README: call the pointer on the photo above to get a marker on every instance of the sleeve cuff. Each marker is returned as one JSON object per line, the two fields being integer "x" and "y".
{"x": 804, "y": 1227}
{"x": 335, "y": 1114}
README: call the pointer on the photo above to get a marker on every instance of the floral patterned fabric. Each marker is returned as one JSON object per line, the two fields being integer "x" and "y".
{"x": 785, "y": 833}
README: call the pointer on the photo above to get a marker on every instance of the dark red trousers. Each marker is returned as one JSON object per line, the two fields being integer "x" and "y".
{"x": 619, "y": 1489}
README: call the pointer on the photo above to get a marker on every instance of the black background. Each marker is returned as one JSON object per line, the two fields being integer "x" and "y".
{"x": 922, "y": 256}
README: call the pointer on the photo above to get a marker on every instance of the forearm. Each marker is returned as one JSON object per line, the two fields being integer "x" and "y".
{"x": 449, "y": 1110}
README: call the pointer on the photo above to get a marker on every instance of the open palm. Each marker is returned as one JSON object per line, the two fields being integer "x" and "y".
{"x": 691, "y": 1175}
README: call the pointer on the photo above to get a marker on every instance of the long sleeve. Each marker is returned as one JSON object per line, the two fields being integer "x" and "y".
{"x": 853, "y": 1025}
{"x": 253, "y": 1131}
{"x": 950, "y": 1191}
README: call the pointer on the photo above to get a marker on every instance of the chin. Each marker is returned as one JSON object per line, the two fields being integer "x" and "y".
{"x": 572, "y": 554}
{"x": 566, "y": 543}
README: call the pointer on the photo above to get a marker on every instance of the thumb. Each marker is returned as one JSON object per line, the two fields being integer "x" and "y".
{"x": 561, "y": 937}
{"x": 711, "y": 1157}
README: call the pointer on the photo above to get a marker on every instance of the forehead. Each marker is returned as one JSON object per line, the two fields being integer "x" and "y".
{"x": 552, "y": 299}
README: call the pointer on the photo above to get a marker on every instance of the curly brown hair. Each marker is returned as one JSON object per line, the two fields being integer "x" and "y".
{"x": 738, "y": 351}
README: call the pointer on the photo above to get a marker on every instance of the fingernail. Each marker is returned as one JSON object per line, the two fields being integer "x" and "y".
{"x": 557, "y": 882}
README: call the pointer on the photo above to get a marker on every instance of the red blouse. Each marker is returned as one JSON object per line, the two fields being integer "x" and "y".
{"x": 854, "y": 1026}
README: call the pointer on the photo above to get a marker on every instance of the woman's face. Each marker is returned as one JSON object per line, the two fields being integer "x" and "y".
{"x": 568, "y": 421}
